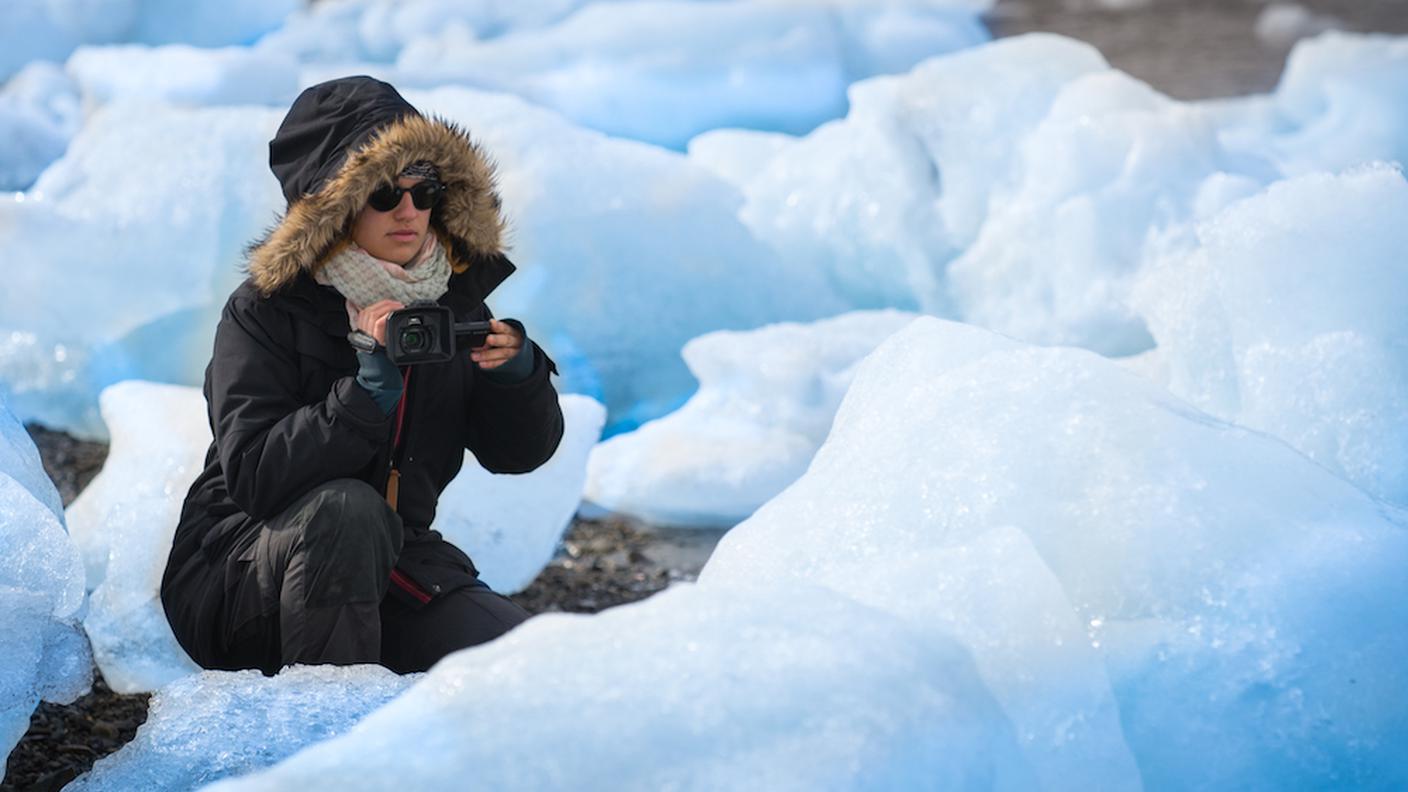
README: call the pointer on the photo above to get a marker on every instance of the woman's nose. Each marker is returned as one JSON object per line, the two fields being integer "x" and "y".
{"x": 406, "y": 209}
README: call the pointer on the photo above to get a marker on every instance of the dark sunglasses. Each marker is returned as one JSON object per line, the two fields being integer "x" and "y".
{"x": 424, "y": 195}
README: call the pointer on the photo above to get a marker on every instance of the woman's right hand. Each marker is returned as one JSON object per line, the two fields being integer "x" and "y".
{"x": 372, "y": 319}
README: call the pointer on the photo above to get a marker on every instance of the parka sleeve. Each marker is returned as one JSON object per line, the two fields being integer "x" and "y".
{"x": 272, "y": 447}
{"x": 515, "y": 427}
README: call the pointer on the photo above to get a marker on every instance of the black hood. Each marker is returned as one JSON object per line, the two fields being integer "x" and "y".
{"x": 324, "y": 123}
{"x": 342, "y": 140}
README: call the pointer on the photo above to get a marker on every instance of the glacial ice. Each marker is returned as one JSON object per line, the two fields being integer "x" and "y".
{"x": 1290, "y": 315}
{"x": 44, "y": 655}
{"x": 32, "y": 30}
{"x": 215, "y": 724}
{"x": 737, "y": 687}
{"x": 40, "y": 112}
{"x": 763, "y": 408}
{"x": 124, "y": 521}
{"x": 1008, "y": 566}
{"x": 156, "y": 250}
{"x": 1072, "y": 523}
{"x": 596, "y": 221}
{"x": 663, "y": 71}
{"x": 180, "y": 74}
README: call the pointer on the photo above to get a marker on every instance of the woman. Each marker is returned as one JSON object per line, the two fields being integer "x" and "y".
{"x": 306, "y": 539}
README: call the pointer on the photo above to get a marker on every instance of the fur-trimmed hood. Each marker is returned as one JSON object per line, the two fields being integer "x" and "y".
{"x": 343, "y": 139}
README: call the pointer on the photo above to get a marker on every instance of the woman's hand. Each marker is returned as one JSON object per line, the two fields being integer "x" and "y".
{"x": 372, "y": 319}
{"x": 501, "y": 345}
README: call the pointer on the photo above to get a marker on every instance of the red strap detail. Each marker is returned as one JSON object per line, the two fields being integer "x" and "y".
{"x": 405, "y": 584}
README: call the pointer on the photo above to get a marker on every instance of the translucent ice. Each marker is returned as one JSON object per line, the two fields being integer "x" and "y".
{"x": 377, "y": 30}
{"x": 763, "y": 408}
{"x": 665, "y": 71}
{"x": 124, "y": 521}
{"x": 217, "y": 724}
{"x": 40, "y": 112}
{"x": 51, "y": 29}
{"x": 44, "y": 654}
{"x": 185, "y": 75}
{"x": 1072, "y": 523}
{"x": 512, "y": 525}
{"x": 1340, "y": 103}
{"x": 155, "y": 254}
{"x": 1290, "y": 315}
{"x": 628, "y": 251}
{"x": 884, "y": 199}
{"x": 747, "y": 687}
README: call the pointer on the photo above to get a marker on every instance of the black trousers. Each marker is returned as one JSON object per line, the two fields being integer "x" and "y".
{"x": 311, "y": 586}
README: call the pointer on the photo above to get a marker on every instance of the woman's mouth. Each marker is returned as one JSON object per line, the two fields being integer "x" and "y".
{"x": 403, "y": 235}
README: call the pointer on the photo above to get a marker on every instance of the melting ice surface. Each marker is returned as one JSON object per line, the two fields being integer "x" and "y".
{"x": 1008, "y": 566}
{"x": 1124, "y": 221}
{"x": 214, "y": 724}
{"x": 33, "y": 30}
{"x": 43, "y": 654}
{"x": 124, "y": 521}
{"x": 764, "y": 406}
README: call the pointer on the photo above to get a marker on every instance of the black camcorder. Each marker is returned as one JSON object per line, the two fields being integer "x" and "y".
{"x": 426, "y": 332}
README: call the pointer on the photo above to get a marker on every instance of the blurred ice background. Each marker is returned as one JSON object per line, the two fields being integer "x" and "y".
{"x": 1061, "y": 417}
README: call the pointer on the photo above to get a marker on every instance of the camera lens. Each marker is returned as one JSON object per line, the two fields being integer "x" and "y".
{"x": 414, "y": 339}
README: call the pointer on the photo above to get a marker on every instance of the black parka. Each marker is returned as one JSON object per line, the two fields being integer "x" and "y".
{"x": 286, "y": 411}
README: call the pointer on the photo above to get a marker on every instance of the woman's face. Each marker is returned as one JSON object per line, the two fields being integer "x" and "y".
{"x": 394, "y": 236}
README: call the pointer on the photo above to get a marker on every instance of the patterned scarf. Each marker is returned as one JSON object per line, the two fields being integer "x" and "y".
{"x": 364, "y": 279}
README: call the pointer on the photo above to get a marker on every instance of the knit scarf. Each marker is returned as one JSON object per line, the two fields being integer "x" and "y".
{"x": 365, "y": 279}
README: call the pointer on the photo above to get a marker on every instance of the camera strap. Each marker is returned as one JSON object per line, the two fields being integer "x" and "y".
{"x": 393, "y": 479}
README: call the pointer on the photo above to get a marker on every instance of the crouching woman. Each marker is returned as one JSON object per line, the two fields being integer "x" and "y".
{"x": 306, "y": 539}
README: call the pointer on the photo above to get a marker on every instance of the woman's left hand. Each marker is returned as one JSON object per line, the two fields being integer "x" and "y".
{"x": 502, "y": 344}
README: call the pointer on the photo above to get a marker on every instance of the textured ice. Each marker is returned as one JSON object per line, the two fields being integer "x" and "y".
{"x": 1283, "y": 24}
{"x": 665, "y": 71}
{"x": 1129, "y": 581}
{"x": 217, "y": 724}
{"x": 51, "y": 29}
{"x": 731, "y": 687}
{"x": 185, "y": 75}
{"x": 512, "y": 524}
{"x": 40, "y": 112}
{"x": 1339, "y": 104}
{"x": 1072, "y": 523}
{"x": 44, "y": 654}
{"x": 1290, "y": 316}
{"x": 1031, "y": 206}
{"x": 124, "y": 521}
{"x": 882, "y": 200}
{"x": 155, "y": 252}
{"x": 764, "y": 405}
{"x": 627, "y": 252}
{"x": 377, "y": 30}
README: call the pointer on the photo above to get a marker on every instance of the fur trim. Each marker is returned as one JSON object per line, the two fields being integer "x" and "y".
{"x": 469, "y": 214}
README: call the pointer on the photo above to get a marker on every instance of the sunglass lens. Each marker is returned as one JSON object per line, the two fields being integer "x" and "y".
{"x": 426, "y": 195}
{"x": 385, "y": 199}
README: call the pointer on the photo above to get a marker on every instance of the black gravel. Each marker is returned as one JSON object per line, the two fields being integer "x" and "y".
{"x": 601, "y": 563}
